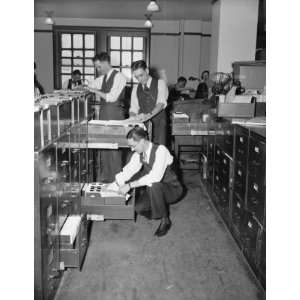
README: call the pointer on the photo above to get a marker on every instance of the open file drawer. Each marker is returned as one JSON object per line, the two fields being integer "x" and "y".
{"x": 73, "y": 241}
{"x": 109, "y": 207}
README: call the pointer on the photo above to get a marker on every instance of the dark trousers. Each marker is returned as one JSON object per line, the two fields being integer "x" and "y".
{"x": 159, "y": 129}
{"x": 157, "y": 198}
{"x": 110, "y": 160}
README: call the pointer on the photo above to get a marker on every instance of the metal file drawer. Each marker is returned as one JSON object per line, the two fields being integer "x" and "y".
{"x": 249, "y": 238}
{"x": 257, "y": 162}
{"x": 241, "y": 146}
{"x": 237, "y": 211}
{"x": 72, "y": 255}
{"x": 257, "y": 207}
{"x": 256, "y": 188}
{"x": 240, "y": 182}
{"x": 257, "y": 151}
{"x": 256, "y": 198}
{"x": 218, "y": 155}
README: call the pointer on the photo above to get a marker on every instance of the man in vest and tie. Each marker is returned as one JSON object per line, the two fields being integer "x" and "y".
{"x": 149, "y": 100}
{"x": 74, "y": 82}
{"x": 150, "y": 167}
{"x": 110, "y": 88}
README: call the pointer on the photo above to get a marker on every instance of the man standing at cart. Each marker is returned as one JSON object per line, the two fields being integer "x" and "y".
{"x": 149, "y": 100}
{"x": 110, "y": 87}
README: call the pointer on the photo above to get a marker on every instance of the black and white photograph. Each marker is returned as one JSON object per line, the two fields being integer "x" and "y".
{"x": 150, "y": 168}
{"x": 150, "y": 149}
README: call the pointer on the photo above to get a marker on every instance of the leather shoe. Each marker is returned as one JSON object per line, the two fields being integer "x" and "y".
{"x": 163, "y": 229}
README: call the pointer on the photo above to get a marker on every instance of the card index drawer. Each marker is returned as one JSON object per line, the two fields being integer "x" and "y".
{"x": 72, "y": 255}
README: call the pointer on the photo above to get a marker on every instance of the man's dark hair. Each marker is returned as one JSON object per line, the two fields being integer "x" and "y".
{"x": 137, "y": 133}
{"x": 76, "y": 72}
{"x": 139, "y": 64}
{"x": 202, "y": 74}
{"x": 103, "y": 56}
{"x": 181, "y": 78}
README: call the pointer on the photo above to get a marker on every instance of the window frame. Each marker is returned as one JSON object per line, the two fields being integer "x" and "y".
{"x": 102, "y": 35}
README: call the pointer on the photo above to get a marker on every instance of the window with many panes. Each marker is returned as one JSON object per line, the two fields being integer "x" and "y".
{"x": 76, "y": 53}
{"x": 75, "y": 47}
{"x": 123, "y": 51}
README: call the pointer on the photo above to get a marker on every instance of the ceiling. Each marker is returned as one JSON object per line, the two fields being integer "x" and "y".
{"x": 125, "y": 9}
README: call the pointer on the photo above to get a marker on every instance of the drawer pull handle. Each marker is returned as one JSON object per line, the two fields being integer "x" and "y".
{"x": 256, "y": 149}
{"x": 255, "y": 187}
{"x": 239, "y": 172}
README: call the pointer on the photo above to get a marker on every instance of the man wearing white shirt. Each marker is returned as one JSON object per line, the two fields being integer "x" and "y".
{"x": 154, "y": 166}
{"x": 110, "y": 89}
{"x": 149, "y": 100}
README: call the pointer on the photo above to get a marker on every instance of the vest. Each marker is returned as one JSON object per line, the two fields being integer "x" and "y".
{"x": 70, "y": 84}
{"x": 106, "y": 87}
{"x": 169, "y": 176}
{"x": 147, "y": 99}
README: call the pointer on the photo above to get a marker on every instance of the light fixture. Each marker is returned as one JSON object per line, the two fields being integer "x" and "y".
{"x": 148, "y": 22}
{"x": 49, "y": 18}
{"x": 153, "y": 6}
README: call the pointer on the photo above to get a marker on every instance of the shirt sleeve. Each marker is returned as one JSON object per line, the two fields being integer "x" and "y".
{"x": 118, "y": 85}
{"x": 96, "y": 83}
{"x": 65, "y": 85}
{"x": 129, "y": 170}
{"x": 163, "y": 159}
{"x": 134, "y": 103}
{"x": 163, "y": 93}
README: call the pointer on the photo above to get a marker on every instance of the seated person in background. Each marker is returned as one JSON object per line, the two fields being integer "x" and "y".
{"x": 150, "y": 167}
{"x": 177, "y": 92}
{"x": 204, "y": 85}
{"x": 38, "y": 89}
{"x": 73, "y": 82}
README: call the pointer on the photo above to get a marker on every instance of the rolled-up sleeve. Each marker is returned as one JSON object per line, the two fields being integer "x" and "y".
{"x": 163, "y": 93}
{"x": 129, "y": 170}
{"x": 96, "y": 83}
{"x": 118, "y": 86}
{"x": 134, "y": 103}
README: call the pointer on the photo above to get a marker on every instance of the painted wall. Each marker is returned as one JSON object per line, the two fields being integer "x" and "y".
{"x": 234, "y": 28}
{"x": 166, "y": 52}
{"x": 43, "y": 56}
